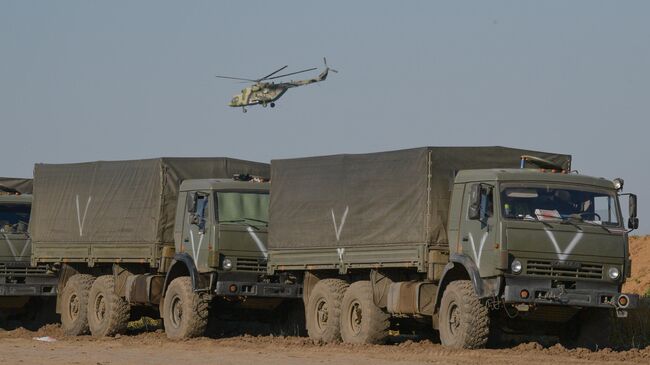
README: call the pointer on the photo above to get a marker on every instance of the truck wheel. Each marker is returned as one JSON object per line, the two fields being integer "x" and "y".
{"x": 464, "y": 322}
{"x": 323, "y": 311}
{"x": 74, "y": 304}
{"x": 108, "y": 313}
{"x": 186, "y": 312}
{"x": 361, "y": 320}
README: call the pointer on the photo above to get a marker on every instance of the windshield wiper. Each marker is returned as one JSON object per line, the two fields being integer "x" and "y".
{"x": 597, "y": 225}
{"x": 245, "y": 221}
{"x": 567, "y": 220}
{"x": 587, "y": 222}
{"x": 256, "y": 220}
{"x": 536, "y": 219}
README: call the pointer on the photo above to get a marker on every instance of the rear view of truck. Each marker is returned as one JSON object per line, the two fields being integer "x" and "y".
{"x": 426, "y": 234}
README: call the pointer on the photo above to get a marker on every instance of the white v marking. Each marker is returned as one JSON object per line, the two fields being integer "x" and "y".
{"x": 11, "y": 246}
{"x": 563, "y": 254}
{"x": 13, "y": 249}
{"x": 196, "y": 251}
{"x": 81, "y": 220}
{"x": 477, "y": 255}
{"x": 338, "y": 229}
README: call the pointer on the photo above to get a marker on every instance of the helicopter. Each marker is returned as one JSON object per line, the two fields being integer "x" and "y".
{"x": 266, "y": 93}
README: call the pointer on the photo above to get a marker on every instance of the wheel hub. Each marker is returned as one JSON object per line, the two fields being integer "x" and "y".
{"x": 355, "y": 317}
{"x": 73, "y": 306}
{"x": 454, "y": 318}
{"x": 176, "y": 312}
{"x": 322, "y": 313}
{"x": 100, "y": 307}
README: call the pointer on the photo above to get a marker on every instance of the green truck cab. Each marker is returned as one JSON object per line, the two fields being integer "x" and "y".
{"x": 476, "y": 241}
{"x": 20, "y": 283}
{"x": 544, "y": 246}
{"x": 180, "y": 238}
{"x": 220, "y": 237}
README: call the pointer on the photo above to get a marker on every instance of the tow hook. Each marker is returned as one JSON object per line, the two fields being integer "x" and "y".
{"x": 555, "y": 296}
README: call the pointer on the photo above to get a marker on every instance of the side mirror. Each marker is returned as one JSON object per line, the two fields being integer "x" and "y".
{"x": 474, "y": 211}
{"x": 632, "y": 205}
{"x": 192, "y": 199}
{"x": 633, "y": 221}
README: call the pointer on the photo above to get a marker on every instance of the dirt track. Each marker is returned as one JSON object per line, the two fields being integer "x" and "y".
{"x": 19, "y": 347}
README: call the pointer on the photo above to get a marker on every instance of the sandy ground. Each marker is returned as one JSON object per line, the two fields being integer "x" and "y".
{"x": 640, "y": 253}
{"x": 19, "y": 347}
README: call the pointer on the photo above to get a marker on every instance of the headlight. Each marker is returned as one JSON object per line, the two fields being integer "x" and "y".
{"x": 618, "y": 183}
{"x": 613, "y": 273}
{"x": 226, "y": 264}
{"x": 516, "y": 266}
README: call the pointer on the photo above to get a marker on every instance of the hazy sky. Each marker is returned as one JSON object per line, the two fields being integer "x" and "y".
{"x": 82, "y": 80}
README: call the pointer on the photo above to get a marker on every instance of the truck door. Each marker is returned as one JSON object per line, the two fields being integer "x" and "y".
{"x": 478, "y": 236}
{"x": 197, "y": 229}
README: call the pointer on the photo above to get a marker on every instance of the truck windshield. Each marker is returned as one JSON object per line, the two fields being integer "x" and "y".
{"x": 549, "y": 203}
{"x": 14, "y": 218}
{"x": 238, "y": 207}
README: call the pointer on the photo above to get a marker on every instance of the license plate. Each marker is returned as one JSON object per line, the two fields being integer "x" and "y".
{"x": 565, "y": 264}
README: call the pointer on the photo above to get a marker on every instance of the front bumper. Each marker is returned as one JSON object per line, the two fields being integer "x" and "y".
{"x": 257, "y": 289}
{"x": 585, "y": 294}
{"x": 28, "y": 290}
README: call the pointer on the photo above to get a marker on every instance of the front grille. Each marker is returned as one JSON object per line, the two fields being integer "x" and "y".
{"x": 545, "y": 268}
{"x": 250, "y": 264}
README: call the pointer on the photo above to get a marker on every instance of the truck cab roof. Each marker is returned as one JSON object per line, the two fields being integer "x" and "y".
{"x": 222, "y": 184}
{"x": 465, "y": 176}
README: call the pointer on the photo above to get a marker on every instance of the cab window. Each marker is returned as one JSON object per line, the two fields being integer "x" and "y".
{"x": 239, "y": 207}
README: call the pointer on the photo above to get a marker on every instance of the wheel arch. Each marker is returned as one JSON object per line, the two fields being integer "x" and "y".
{"x": 181, "y": 265}
{"x": 460, "y": 267}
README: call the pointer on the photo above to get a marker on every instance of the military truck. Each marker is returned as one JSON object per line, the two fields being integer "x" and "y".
{"x": 178, "y": 237}
{"x": 25, "y": 291}
{"x": 478, "y": 241}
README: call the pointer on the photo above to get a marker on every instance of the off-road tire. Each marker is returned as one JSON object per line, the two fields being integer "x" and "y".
{"x": 186, "y": 312}
{"x": 323, "y": 310}
{"x": 108, "y": 313}
{"x": 74, "y": 305}
{"x": 362, "y": 322}
{"x": 464, "y": 322}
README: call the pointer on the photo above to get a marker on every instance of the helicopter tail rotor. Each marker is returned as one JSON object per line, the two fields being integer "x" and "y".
{"x": 327, "y": 67}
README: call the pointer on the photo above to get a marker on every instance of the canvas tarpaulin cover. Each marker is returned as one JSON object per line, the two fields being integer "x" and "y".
{"x": 119, "y": 201}
{"x": 16, "y": 185}
{"x": 375, "y": 198}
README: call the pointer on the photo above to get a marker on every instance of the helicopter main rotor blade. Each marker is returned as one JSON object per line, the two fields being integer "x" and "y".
{"x": 293, "y": 73}
{"x": 235, "y": 78}
{"x": 273, "y": 73}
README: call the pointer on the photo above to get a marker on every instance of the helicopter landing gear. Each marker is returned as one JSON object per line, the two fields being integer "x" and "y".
{"x": 272, "y": 105}
{"x": 243, "y": 109}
